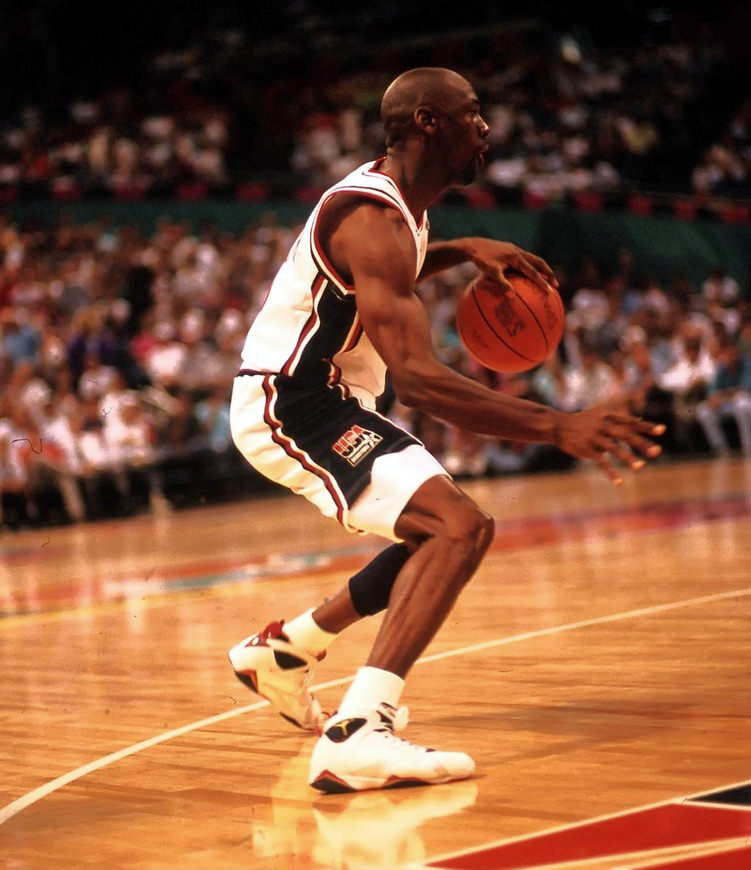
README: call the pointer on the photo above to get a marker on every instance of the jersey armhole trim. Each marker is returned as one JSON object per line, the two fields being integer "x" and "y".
{"x": 322, "y": 261}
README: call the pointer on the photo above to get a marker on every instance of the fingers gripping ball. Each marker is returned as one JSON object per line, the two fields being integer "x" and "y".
{"x": 510, "y": 333}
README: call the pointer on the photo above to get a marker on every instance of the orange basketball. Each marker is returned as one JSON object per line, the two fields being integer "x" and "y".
{"x": 506, "y": 333}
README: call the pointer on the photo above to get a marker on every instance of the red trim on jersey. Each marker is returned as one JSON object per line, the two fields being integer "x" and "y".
{"x": 289, "y": 447}
{"x": 317, "y": 249}
{"x": 312, "y": 322}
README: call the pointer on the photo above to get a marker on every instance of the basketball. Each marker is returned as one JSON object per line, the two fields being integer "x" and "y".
{"x": 505, "y": 333}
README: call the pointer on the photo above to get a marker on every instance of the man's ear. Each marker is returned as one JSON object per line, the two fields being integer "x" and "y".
{"x": 424, "y": 120}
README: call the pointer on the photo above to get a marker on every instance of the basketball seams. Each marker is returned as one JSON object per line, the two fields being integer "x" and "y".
{"x": 490, "y": 327}
{"x": 504, "y": 335}
{"x": 500, "y": 337}
{"x": 537, "y": 321}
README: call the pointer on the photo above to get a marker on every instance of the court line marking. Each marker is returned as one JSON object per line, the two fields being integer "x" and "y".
{"x": 636, "y": 860}
{"x": 586, "y": 623}
{"x": 689, "y": 798}
{"x": 14, "y": 807}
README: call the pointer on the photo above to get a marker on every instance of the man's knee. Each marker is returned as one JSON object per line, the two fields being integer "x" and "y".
{"x": 478, "y": 528}
{"x": 441, "y": 510}
{"x": 468, "y": 532}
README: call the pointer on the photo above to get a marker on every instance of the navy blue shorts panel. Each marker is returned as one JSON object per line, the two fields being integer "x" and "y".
{"x": 338, "y": 433}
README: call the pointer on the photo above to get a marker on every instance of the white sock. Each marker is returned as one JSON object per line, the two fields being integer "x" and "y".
{"x": 371, "y": 687}
{"x": 304, "y": 631}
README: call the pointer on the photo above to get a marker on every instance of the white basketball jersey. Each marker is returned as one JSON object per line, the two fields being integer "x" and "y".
{"x": 309, "y": 327}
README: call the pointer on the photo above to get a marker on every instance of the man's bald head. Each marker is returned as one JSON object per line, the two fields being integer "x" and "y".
{"x": 424, "y": 86}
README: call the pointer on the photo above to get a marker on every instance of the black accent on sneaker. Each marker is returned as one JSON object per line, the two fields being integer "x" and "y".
{"x": 331, "y": 785}
{"x": 406, "y": 783}
{"x": 341, "y": 731}
{"x": 288, "y": 662}
{"x": 247, "y": 680}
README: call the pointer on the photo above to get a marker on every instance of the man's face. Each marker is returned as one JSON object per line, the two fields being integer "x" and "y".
{"x": 465, "y": 134}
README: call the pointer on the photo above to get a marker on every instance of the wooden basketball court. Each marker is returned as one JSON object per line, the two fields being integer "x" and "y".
{"x": 597, "y": 668}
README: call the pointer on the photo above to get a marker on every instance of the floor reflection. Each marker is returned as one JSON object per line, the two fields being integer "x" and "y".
{"x": 381, "y": 829}
{"x": 373, "y": 830}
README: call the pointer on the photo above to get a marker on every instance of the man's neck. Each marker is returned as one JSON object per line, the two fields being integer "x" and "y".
{"x": 419, "y": 187}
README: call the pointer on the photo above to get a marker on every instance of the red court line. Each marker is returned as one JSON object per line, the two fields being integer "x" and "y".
{"x": 659, "y": 827}
{"x": 736, "y": 859}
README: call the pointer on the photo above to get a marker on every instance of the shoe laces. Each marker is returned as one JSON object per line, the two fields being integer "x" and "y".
{"x": 393, "y": 719}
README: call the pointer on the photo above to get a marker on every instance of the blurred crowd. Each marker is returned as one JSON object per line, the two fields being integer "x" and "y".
{"x": 567, "y": 115}
{"x": 118, "y": 350}
{"x": 117, "y": 354}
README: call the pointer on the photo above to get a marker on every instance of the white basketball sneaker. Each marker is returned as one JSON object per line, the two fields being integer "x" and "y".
{"x": 268, "y": 664}
{"x": 355, "y": 753}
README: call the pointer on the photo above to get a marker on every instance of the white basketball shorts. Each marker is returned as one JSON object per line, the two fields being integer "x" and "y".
{"x": 354, "y": 464}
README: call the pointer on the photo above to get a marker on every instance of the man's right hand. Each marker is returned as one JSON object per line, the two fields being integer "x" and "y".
{"x": 607, "y": 437}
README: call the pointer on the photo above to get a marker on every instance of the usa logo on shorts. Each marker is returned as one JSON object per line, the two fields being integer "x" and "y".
{"x": 356, "y": 443}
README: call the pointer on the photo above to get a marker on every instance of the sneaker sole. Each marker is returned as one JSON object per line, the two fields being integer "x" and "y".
{"x": 330, "y": 783}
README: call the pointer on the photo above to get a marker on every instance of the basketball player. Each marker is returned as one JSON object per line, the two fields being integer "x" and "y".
{"x": 340, "y": 313}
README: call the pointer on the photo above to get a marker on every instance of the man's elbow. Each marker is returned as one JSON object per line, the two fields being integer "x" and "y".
{"x": 410, "y": 389}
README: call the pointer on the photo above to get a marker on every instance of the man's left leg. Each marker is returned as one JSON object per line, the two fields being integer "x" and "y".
{"x": 277, "y": 662}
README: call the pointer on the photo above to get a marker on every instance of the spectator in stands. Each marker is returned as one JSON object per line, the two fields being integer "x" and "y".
{"x": 131, "y": 437}
{"x": 182, "y": 435}
{"x": 720, "y": 297}
{"x": 202, "y": 367}
{"x": 729, "y": 397}
{"x": 59, "y": 460}
{"x": 687, "y": 382}
{"x": 580, "y": 116}
{"x": 19, "y": 340}
{"x": 96, "y": 378}
{"x": 17, "y": 505}
{"x": 104, "y": 481}
{"x": 590, "y": 381}
{"x": 639, "y": 378}
{"x": 164, "y": 361}
{"x": 212, "y": 412}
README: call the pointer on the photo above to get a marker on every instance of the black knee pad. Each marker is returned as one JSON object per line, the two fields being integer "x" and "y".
{"x": 370, "y": 588}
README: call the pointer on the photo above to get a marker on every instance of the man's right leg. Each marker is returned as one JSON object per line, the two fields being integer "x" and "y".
{"x": 359, "y": 749}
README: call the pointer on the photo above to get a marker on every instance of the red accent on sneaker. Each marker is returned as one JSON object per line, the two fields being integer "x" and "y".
{"x": 273, "y": 629}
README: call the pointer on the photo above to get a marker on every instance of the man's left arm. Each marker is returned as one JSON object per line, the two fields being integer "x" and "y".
{"x": 492, "y": 257}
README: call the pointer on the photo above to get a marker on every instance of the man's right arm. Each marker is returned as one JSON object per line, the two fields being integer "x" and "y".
{"x": 374, "y": 246}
